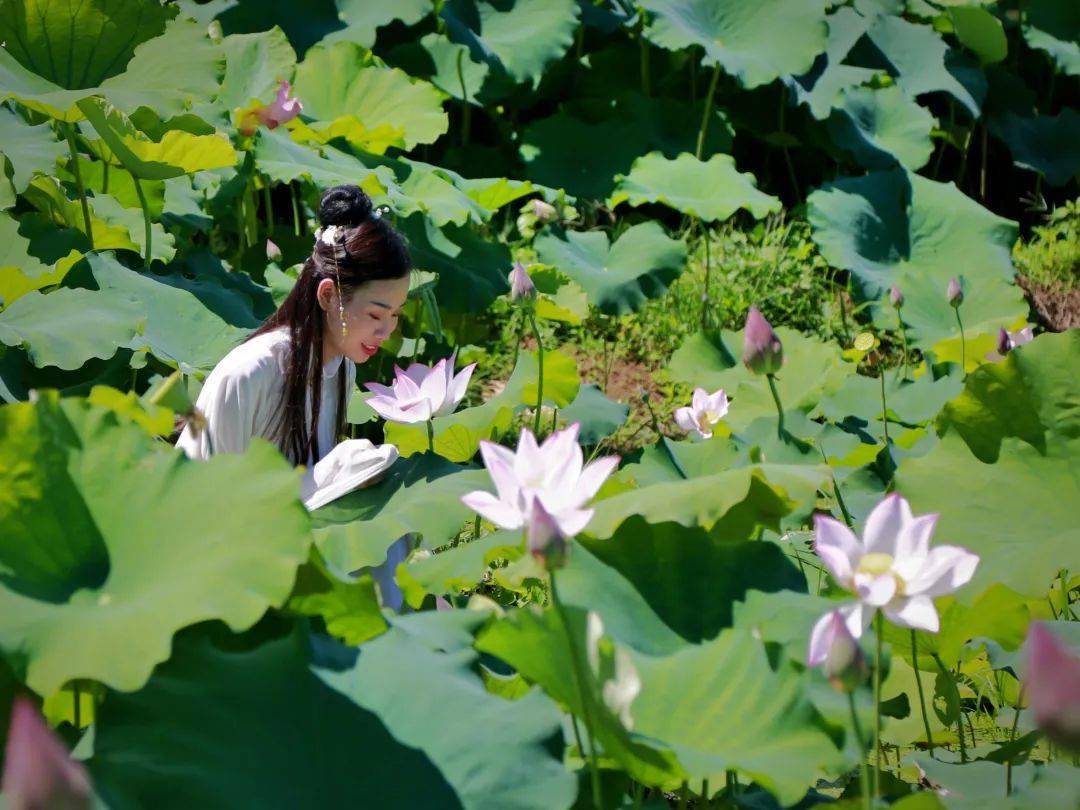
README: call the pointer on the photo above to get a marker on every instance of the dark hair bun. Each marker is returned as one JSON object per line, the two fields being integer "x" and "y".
{"x": 344, "y": 205}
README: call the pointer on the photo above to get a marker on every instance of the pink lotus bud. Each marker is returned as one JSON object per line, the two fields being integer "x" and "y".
{"x": 273, "y": 252}
{"x": 896, "y": 298}
{"x": 283, "y": 108}
{"x": 442, "y": 603}
{"x": 544, "y": 537}
{"x": 521, "y": 286}
{"x": 955, "y": 292}
{"x": 1053, "y": 686}
{"x": 762, "y": 351}
{"x": 835, "y": 649}
{"x": 545, "y": 212}
{"x": 38, "y": 771}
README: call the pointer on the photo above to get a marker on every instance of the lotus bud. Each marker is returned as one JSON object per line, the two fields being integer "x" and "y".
{"x": 835, "y": 649}
{"x": 283, "y": 109}
{"x": 954, "y": 292}
{"x": 896, "y": 298}
{"x": 543, "y": 211}
{"x": 544, "y": 537}
{"x": 762, "y": 351}
{"x": 273, "y": 252}
{"x": 38, "y": 771}
{"x": 521, "y": 286}
{"x": 1053, "y": 686}
{"x": 442, "y": 603}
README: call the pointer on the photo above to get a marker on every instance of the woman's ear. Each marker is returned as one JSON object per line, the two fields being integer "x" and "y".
{"x": 324, "y": 294}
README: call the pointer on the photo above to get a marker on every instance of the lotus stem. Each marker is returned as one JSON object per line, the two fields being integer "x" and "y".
{"x": 705, "y": 294}
{"x": 963, "y": 343}
{"x": 705, "y": 791}
{"x": 147, "y": 230}
{"x": 878, "y": 628}
{"x": 732, "y": 782}
{"x": 69, "y": 135}
{"x": 643, "y": 48}
{"x": 982, "y": 168}
{"x": 268, "y": 207}
{"x": 105, "y": 177}
{"x": 779, "y": 408}
{"x": 922, "y": 699}
{"x": 705, "y": 115}
{"x": 466, "y": 112}
{"x": 683, "y": 795}
{"x": 783, "y": 146}
{"x": 295, "y": 210}
{"x": 856, "y": 729}
{"x": 1012, "y": 736}
{"x": 540, "y": 373}
{"x": 903, "y": 339}
{"x": 78, "y": 708}
{"x": 579, "y": 682}
{"x": 430, "y": 436}
{"x": 884, "y": 408}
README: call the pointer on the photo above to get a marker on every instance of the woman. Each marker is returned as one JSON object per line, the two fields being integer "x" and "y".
{"x": 288, "y": 383}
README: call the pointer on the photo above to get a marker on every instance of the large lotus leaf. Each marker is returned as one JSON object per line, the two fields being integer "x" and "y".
{"x": 1046, "y": 144}
{"x": 738, "y": 498}
{"x": 78, "y": 43}
{"x": 536, "y": 644}
{"x": 981, "y": 32}
{"x": 1054, "y": 26}
{"x": 104, "y": 556}
{"x": 420, "y": 494}
{"x": 350, "y": 608}
{"x": 319, "y": 19}
{"x": 108, "y": 210}
{"x": 620, "y": 277}
{"x": 374, "y": 95}
{"x": 720, "y": 705}
{"x": 456, "y": 569}
{"x": 48, "y": 196}
{"x": 518, "y": 37}
{"x": 254, "y": 65}
{"x": 882, "y": 127}
{"x": 922, "y": 62}
{"x": 21, "y": 272}
{"x": 743, "y": 38}
{"x": 434, "y": 191}
{"x": 820, "y": 89}
{"x": 812, "y": 370}
{"x": 596, "y": 415}
{"x": 895, "y": 227}
{"x": 472, "y": 271}
{"x": 364, "y": 18}
{"x": 710, "y": 190}
{"x": 690, "y": 577}
{"x": 447, "y": 65}
{"x": 371, "y": 726}
{"x": 126, "y": 310}
{"x": 284, "y": 160}
{"x": 977, "y": 785}
{"x": 908, "y": 401}
{"x": 30, "y": 149}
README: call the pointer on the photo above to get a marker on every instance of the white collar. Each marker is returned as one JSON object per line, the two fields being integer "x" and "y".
{"x": 330, "y": 368}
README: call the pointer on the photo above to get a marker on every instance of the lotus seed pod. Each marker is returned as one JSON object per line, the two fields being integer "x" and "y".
{"x": 762, "y": 351}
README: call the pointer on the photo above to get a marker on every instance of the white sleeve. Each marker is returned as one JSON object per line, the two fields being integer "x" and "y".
{"x": 228, "y": 403}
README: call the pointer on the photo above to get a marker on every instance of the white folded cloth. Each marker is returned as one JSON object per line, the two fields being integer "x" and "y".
{"x": 350, "y": 465}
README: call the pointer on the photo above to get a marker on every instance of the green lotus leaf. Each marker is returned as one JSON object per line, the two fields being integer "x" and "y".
{"x": 284, "y": 160}
{"x": 101, "y": 178}
{"x": 812, "y": 370}
{"x": 882, "y": 127}
{"x": 48, "y": 196}
{"x": 108, "y": 210}
{"x": 364, "y": 18}
{"x": 320, "y": 18}
{"x": 77, "y": 44}
{"x": 785, "y": 617}
{"x": 456, "y": 569}
{"x": 744, "y": 40}
{"x": 821, "y": 88}
{"x": 922, "y": 62}
{"x": 364, "y": 90}
{"x": 711, "y": 190}
{"x": 448, "y": 66}
{"x": 981, "y": 32}
{"x": 720, "y": 705}
{"x": 895, "y": 227}
{"x": 29, "y": 149}
{"x": 520, "y": 37}
{"x": 369, "y": 725}
{"x": 431, "y": 190}
{"x": 971, "y": 785}
{"x": 1046, "y": 144}
{"x": 910, "y": 400}
{"x": 98, "y": 576}
{"x": 21, "y": 272}
{"x": 584, "y": 147}
{"x": 420, "y": 494}
{"x": 1054, "y": 26}
{"x": 619, "y": 277}
{"x": 350, "y": 609}
{"x": 597, "y": 416}
{"x": 127, "y": 310}
{"x": 472, "y": 271}
{"x": 254, "y": 66}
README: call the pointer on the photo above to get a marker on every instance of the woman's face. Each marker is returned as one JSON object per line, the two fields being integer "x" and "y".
{"x": 371, "y": 315}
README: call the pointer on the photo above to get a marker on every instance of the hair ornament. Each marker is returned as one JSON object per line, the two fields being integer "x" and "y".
{"x": 379, "y": 211}
{"x": 333, "y": 236}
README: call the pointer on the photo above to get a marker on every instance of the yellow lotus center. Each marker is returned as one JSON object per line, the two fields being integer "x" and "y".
{"x": 875, "y": 564}
{"x": 712, "y": 417}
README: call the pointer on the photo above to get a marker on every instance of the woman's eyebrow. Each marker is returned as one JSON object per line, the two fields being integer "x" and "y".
{"x": 381, "y": 304}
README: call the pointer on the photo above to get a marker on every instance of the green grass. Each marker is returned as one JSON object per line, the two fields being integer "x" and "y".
{"x": 1052, "y": 256}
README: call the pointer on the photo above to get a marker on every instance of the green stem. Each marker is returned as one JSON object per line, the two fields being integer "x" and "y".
{"x": 903, "y": 338}
{"x": 732, "y": 782}
{"x": 579, "y": 681}
{"x": 864, "y": 788}
{"x": 69, "y": 134}
{"x": 78, "y": 704}
{"x": 430, "y": 436}
{"x": 466, "y": 112}
{"x": 147, "y": 231}
{"x": 105, "y": 177}
{"x": 268, "y": 209}
{"x": 1012, "y": 736}
{"x": 922, "y": 698}
{"x": 540, "y": 373}
{"x": 884, "y": 408}
{"x": 643, "y": 47}
{"x": 555, "y": 420}
{"x": 476, "y": 527}
{"x": 295, "y": 210}
{"x": 705, "y": 296}
{"x": 779, "y": 408}
{"x": 683, "y": 796}
{"x": 963, "y": 343}
{"x": 705, "y": 115}
{"x": 705, "y": 791}
{"x": 878, "y": 628}
{"x": 783, "y": 148}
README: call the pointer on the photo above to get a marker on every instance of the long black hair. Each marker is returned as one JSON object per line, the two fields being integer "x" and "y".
{"x": 369, "y": 250}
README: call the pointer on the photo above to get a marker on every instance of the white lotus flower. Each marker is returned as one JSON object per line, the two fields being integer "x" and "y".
{"x": 618, "y": 691}
{"x": 420, "y": 393}
{"x": 892, "y": 568}
{"x": 704, "y": 411}
{"x": 553, "y": 473}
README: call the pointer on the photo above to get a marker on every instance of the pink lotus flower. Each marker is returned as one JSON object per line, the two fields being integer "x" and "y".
{"x": 544, "y": 537}
{"x": 552, "y": 473}
{"x": 1052, "y": 681}
{"x": 521, "y": 286}
{"x": 893, "y": 567}
{"x": 896, "y": 298}
{"x": 38, "y": 771}
{"x": 704, "y": 411}
{"x": 762, "y": 351}
{"x": 954, "y": 292}
{"x": 281, "y": 110}
{"x": 835, "y": 649}
{"x": 543, "y": 211}
{"x": 420, "y": 393}
{"x": 1007, "y": 341}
